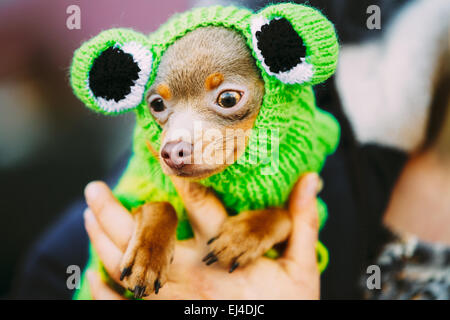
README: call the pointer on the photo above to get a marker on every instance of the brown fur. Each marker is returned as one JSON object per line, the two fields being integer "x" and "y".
{"x": 150, "y": 249}
{"x": 210, "y": 56}
{"x": 164, "y": 91}
{"x": 213, "y": 80}
{"x": 190, "y": 60}
{"x": 247, "y": 236}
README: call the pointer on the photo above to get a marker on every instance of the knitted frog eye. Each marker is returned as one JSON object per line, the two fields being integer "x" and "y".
{"x": 110, "y": 72}
{"x": 296, "y": 44}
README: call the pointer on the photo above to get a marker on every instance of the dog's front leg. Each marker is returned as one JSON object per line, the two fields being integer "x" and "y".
{"x": 150, "y": 250}
{"x": 247, "y": 236}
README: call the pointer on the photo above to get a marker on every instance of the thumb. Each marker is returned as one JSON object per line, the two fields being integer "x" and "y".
{"x": 301, "y": 247}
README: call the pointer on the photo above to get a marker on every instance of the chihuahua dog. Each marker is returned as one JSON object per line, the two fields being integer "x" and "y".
{"x": 206, "y": 88}
{"x": 217, "y": 86}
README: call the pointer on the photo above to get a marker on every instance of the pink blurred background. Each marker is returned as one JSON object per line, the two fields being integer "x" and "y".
{"x": 50, "y": 144}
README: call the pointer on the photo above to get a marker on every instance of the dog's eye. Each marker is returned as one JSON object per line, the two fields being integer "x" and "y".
{"x": 228, "y": 99}
{"x": 157, "y": 105}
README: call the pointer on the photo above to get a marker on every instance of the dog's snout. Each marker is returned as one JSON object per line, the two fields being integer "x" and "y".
{"x": 177, "y": 154}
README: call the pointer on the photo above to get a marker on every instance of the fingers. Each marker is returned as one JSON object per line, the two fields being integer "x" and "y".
{"x": 206, "y": 212}
{"x": 114, "y": 219}
{"x": 99, "y": 289}
{"x": 301, "y": 247}
{"x": 108, "y": 252}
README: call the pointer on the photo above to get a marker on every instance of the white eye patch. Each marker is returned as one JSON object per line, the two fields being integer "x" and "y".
{"x": 118, "y": 76}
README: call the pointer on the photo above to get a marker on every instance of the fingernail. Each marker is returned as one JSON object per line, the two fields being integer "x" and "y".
{"x": 319, "y": 186}
{"x": 311, "y": 186}
{"x": 306, "y": 190}
{"x": 92, "y": 190}
{"x": 88, "y": 215}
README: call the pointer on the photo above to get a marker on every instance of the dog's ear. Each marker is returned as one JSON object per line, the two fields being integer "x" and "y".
{"x": 111, "y": 71}
{"x": 294, "y": 43}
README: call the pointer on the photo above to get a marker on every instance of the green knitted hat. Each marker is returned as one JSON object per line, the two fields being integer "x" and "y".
{"x": 294, "y": 47}
{"x": 304, "y": 52}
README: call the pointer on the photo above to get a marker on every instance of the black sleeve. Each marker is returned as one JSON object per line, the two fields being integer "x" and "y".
{"x": 43, "y": 272}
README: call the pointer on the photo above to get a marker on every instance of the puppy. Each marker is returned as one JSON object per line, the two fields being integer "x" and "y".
{"x": 223, "y": 98}
{"x": 215, "y": 87}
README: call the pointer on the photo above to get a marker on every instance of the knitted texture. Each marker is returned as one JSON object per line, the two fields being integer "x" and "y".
{"x": 296, "y": 135}
{"x": 115, "y": 64}
{"x": 277, "y": 34}
{"x": 84, "y": 63}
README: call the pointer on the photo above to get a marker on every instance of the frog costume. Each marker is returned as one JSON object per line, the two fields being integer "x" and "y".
{"x": 294, "y": 47}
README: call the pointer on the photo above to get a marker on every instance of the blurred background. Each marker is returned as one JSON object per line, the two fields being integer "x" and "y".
{"x": 51, "y": 146}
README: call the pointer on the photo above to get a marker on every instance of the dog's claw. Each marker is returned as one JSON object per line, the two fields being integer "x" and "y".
{"x": 157, "y": 286}
{"x": 233, "y": 267}
{"x": 125, "y": 273}
{"x": 136, "y": 292}
{"x": 211, "y": 261}
{"x": 139, "y": 291}
{"x": 208, "y": 256}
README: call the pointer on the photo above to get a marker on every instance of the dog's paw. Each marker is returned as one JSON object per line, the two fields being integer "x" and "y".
{"x": 246, "y": 237}
{"x": 146, "y": 261}
{"x": 144, "y": 270}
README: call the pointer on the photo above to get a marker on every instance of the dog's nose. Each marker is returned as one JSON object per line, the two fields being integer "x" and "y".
{"x": 177, "y": 154}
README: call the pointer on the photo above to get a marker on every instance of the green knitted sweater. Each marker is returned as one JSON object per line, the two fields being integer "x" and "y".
{"x": 298, "y": 136}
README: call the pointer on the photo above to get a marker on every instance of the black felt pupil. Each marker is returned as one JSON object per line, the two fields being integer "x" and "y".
{"x": 228, "y": 99}
{"x": 280, "y": 45}
{"x": 113, "y": 74}
{"x": 157, "y": 105}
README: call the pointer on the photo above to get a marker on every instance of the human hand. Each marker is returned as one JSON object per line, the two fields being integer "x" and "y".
{"x": 419, "y": 204}
{"x": 294, "y": 275}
